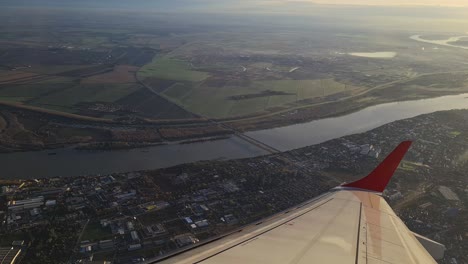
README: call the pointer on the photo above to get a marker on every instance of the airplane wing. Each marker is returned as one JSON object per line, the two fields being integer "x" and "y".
{"x": 350, "y": 224}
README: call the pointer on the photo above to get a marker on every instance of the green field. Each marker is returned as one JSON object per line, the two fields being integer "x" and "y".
{"x": 86, "y": 93}
{"x": 67, "y": 98}
{"x": 407, "y": 166}
{"x": 14, "y": 99}
{"x": 56, "y": 80}
{"x": 172, "y": 69}
{"x": 64, "y": 96}
{"x": 54, "y": 69}
{"x": 94, "y": 232}
{"x": 31, "y": 90}
{"x": 217, "y": 102}
{"x": 462, "y": 158}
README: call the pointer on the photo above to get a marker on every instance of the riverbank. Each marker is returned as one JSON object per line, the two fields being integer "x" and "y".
{"x": 39, "y": 133}
{"x": 70, "y": 162}
{"x": 25, "y": 130}
{"x": 341, "y": 107}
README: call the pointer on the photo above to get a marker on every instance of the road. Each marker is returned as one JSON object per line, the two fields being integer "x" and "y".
{"x": 75, "y": 248}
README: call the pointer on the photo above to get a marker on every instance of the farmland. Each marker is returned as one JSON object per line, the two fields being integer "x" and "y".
{"x": 151, "y": 105}
{"x": 169, "y": 76}
{"x": 117, "y": 88}
{"x": 92, "y": 83}
{"x": 172, "y": 69}
{"x": 73, "y": 95}
{"x": 184, "y": 71}
{"x": 120, "y": 74}
{"x": 230, "y": 101}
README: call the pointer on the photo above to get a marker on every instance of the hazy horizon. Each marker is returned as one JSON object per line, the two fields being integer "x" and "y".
{"x": 236, "y": 5}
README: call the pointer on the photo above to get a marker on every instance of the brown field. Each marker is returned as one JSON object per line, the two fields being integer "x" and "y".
{"x": 32, "y": 131}
{"x": 140, "y": 135}
{"x": 15, "y": 75}
{"x": 55, "y": 112}
{"x": 3, "y": 124}
{"x": 16, "y": 133}
{"x": 120, "y": 74}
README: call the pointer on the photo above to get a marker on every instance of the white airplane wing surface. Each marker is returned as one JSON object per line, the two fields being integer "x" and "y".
{"x": 350, "y": 224}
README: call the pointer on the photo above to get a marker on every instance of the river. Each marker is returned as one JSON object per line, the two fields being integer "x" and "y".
{"x": 70, "y": 162}
{"x": 443, "y": 42}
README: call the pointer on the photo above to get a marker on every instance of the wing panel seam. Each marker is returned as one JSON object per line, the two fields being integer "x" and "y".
{"x": 358, "y": 234}
{"x": 266, "y": 231}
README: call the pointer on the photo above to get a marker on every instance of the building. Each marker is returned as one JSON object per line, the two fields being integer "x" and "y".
{"x": 184, "y": 240}
{"x": 395, "y": 196}
{"x": 230, "y": 219}
{"x": 135, "y": 236}
{"x": 126, "y": 196}
{"x": 134, "y": 247}
{"x": 448, "y": 193}
{"x": 8, "y": 189}
{"x": 155, "y": 230}
{"x": 51, "y": 203}
{"x": 26, "y": 204}
{"x": 106, "y": 244}
{"x": 425, "y": 205}
{"x": 17, "y": 243}
{"x": 202, "y": 223}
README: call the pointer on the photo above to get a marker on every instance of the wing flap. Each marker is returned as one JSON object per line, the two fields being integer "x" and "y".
{"x": 342, "y": 227}
{"x": 434, "y": 248}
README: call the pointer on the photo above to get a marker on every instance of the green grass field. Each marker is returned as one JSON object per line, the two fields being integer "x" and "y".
{"x": 54, "y": 69}
{"x": 407, "y": 166}
{"x": 178, "y": 90}
{"x": 64, "y": 96}
{"x": 14, "y": 99}
{"x": 455, "y": 133}
{"x": 215, "y": 101}
{"x": 31, "y": 90}
{"x": 94, "y": 41}
{"x": 86, "y": 93}
{"x": 57, "y": 80}
{"x": 94, "y": 232}
{"x": 172, "y": 69}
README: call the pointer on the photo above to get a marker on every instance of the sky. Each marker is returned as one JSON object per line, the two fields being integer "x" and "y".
{"x": 390, "y": 2}
{"x": 226, "y": 5}
{"x": 258, "y": 2}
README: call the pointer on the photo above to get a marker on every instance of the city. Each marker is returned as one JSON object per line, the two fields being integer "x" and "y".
{"x": 129, "y": 217}
{"x": 179, "y": 131}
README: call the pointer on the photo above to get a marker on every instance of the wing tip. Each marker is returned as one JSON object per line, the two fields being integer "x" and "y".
{"x": 378, "y": 179}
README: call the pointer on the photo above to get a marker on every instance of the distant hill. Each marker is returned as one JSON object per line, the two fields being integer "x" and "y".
{"x": 157, "y": 5}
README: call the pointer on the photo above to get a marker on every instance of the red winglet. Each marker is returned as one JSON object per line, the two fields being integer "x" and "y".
{"x": 378, "y": 179}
